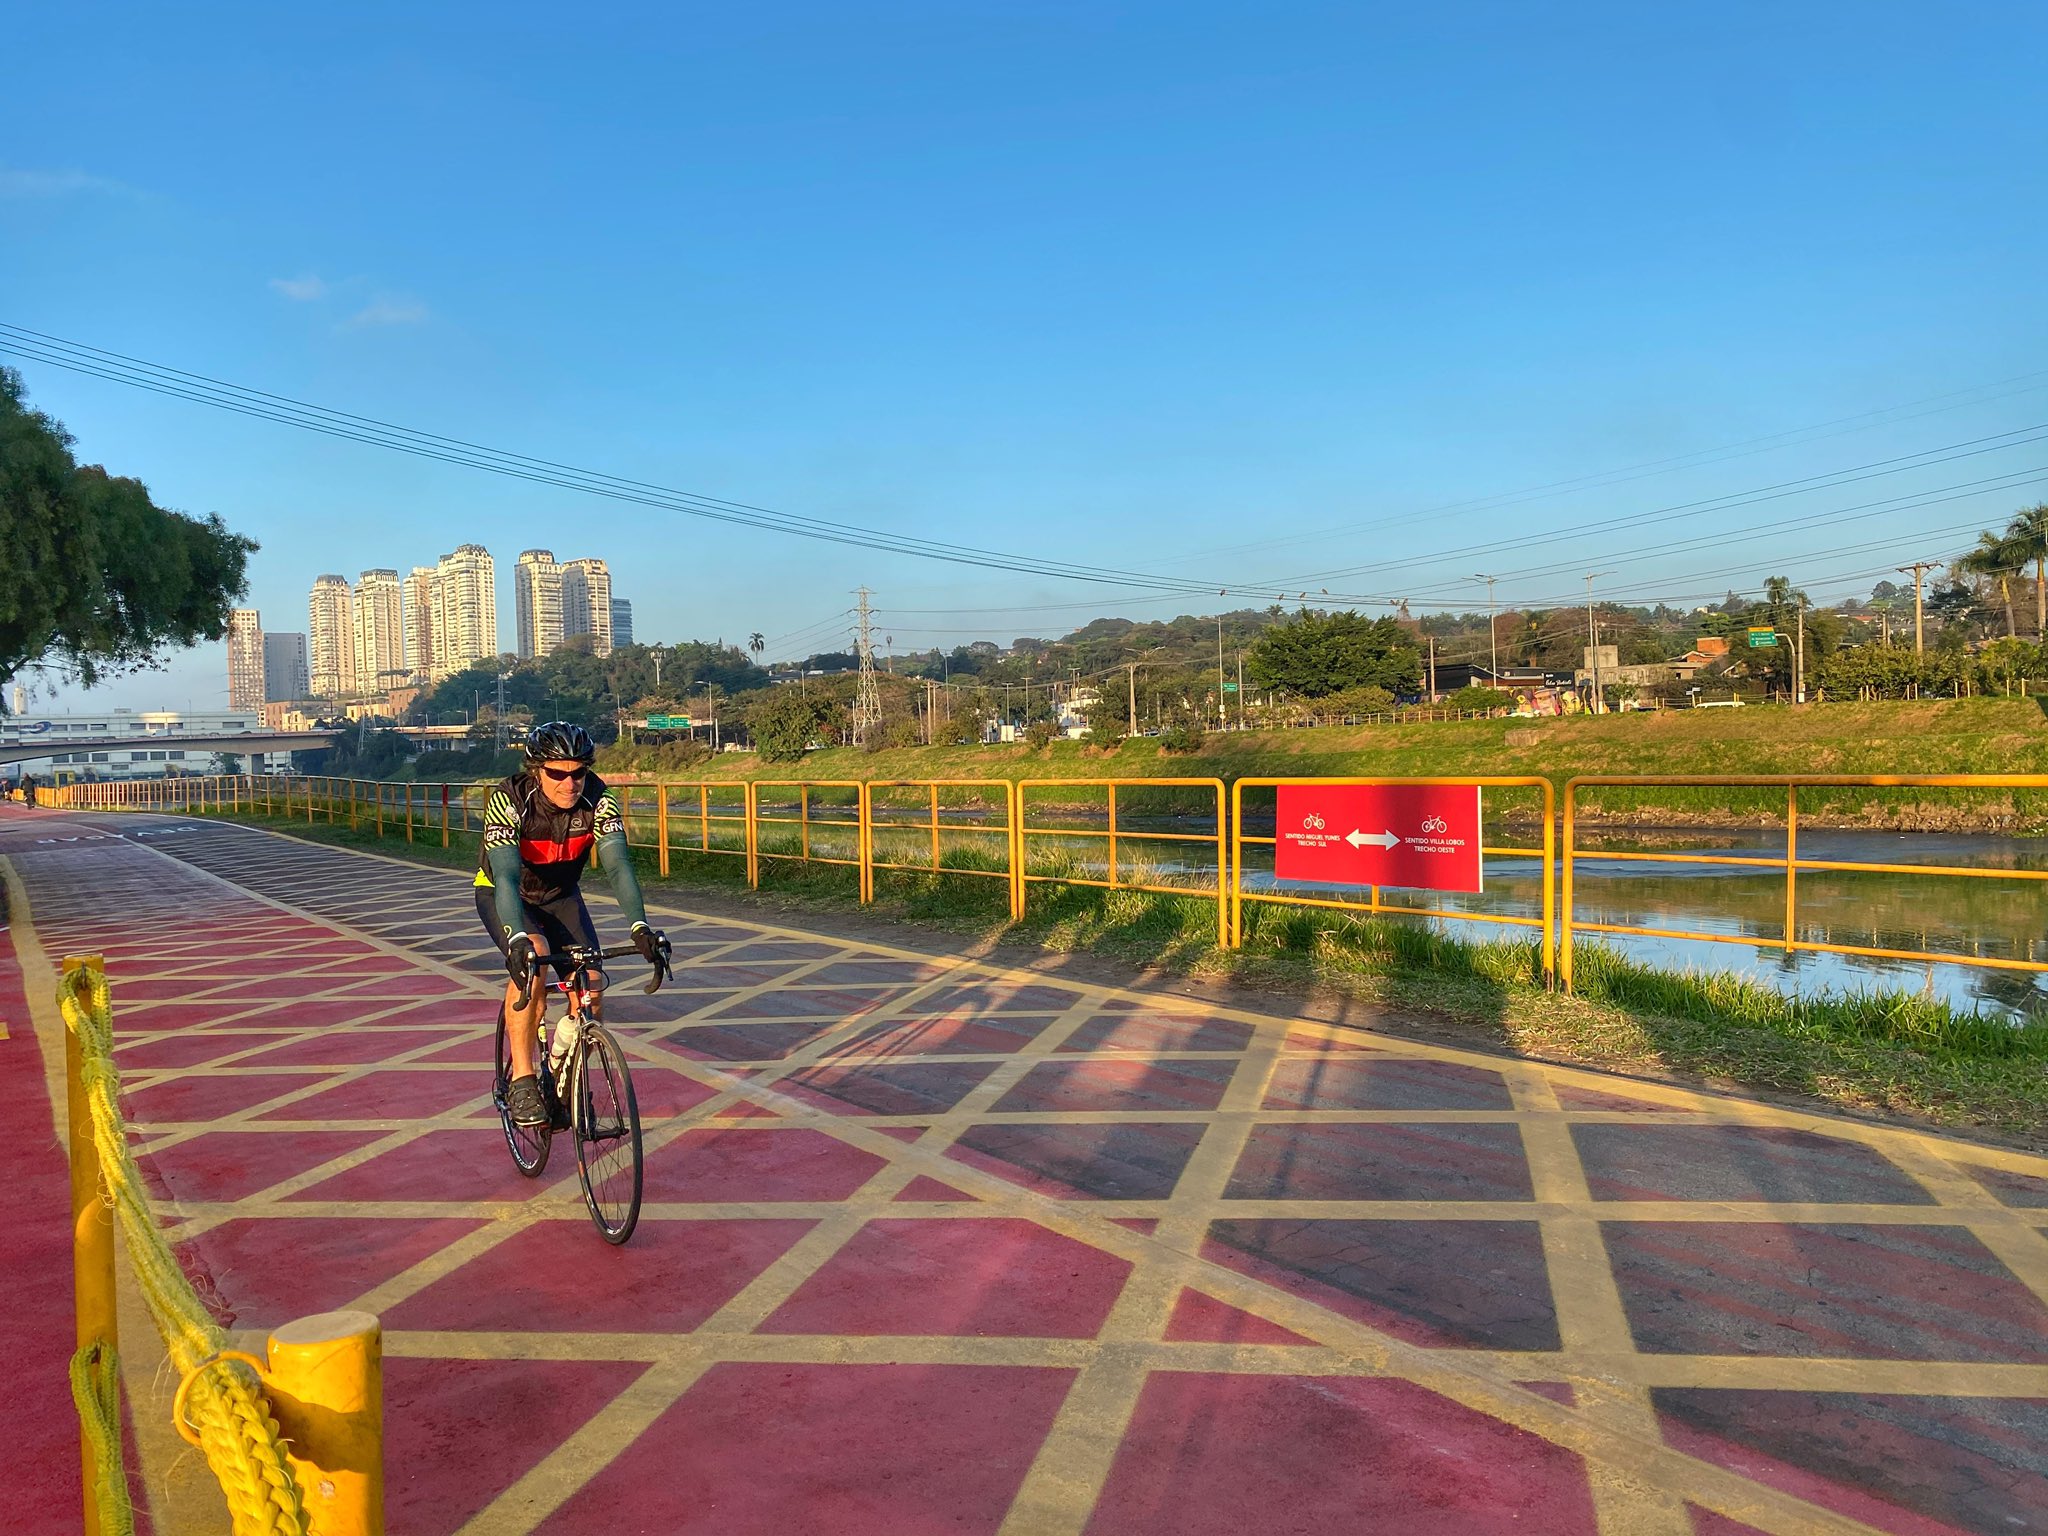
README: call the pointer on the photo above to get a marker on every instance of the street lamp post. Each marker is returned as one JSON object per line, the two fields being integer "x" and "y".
{"x": 711, "y": 700}
{"x": 1492, "y": 637}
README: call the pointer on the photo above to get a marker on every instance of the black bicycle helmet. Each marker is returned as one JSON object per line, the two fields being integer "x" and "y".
{"x": 559, "y": 742}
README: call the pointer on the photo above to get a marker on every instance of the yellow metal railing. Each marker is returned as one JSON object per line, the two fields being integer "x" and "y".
{"x": 1127, "y": 850}
{"x": 1790, "y": 862}
{"x": 295, "y": 1441}
{"x": 910, "y": 826}
{"x": 1374, "y": 906}
{"x": 923, "y": 828}
{"x": 823, "y": 814}
{"x": 681, "y": 810}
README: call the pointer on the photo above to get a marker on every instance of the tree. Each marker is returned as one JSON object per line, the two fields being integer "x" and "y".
{"x": 1999, "y": 559}
{"x": 784, "y": 723}
{"x": 757, "y": 645}
{"x": 2026, "y": 538}
{"x": 1322, "y": 653}
{"x": 98, "y": 578}
{"x": 1108, "y": 718}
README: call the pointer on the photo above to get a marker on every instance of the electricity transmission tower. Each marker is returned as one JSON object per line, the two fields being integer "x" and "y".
{"x": 867, "y": 706}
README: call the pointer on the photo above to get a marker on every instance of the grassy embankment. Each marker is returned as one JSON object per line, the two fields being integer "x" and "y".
{"x": 1929, "y": 737}
{"x": 1889, "y": 1052}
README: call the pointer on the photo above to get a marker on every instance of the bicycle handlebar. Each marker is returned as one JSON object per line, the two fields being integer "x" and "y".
{"x": 579, "y": 956}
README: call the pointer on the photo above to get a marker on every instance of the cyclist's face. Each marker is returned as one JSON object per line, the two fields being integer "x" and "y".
{"x": 561, "y": 782}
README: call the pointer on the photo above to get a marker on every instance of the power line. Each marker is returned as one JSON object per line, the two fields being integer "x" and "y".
{"x": 1961, "y": 492}
{"x": 1877, "y": 469}
{"x": 201, "y": 389}
{"x": 1748, "y": 447}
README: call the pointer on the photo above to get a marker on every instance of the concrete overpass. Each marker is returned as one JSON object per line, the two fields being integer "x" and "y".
{"x": 240, "y": 743}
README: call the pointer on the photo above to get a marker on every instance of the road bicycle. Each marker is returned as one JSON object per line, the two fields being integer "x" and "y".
{"x": 587, "y": 1088}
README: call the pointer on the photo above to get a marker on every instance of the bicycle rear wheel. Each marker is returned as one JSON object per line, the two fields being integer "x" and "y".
{"x": 529, "y": 1143}
{"x": 607, "y": 1134}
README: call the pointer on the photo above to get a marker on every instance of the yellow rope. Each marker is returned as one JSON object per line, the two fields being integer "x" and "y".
{"x": 96, "y": 1390}
{"x": 223, "y": 1398}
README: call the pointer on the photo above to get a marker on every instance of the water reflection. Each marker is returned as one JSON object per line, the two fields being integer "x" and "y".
{"x": 1982, "y": 917}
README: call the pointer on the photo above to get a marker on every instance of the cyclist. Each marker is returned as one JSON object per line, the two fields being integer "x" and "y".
{"x": 541, "y": 829}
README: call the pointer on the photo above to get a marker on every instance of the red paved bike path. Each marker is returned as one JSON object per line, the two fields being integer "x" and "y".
{"x": 40, "y": 1471}
{"x": 931, "y": 1248}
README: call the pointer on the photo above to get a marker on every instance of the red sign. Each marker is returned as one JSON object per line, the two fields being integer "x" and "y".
{"x": 1423, "y": 836}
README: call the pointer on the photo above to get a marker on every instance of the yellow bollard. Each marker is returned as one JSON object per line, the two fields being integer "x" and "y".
{"x": 92, "y": 1233}
{"x": 326, "y": 1385}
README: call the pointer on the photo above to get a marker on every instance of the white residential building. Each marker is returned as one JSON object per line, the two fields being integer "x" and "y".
{"x": 537, "y": 594}
{"x": 417, "y": 593}
{"x": 245, "y": 659}
{"x": 331, "y": 637}
{"x": 587, "y": 603}
{"x": 379, "y": 631}
{"x": 465, "y": 625}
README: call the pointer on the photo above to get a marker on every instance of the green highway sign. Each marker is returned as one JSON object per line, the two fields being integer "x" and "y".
{"x": 1763, "y": 639}
{"x": 669, "y": 722}
{"x": 1230, "y": 687}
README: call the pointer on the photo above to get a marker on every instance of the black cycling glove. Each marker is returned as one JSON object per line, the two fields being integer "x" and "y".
{"x": 519, "y": 960}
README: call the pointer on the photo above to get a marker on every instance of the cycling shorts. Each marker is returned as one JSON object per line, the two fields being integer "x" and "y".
{"x": 561, "y": 923}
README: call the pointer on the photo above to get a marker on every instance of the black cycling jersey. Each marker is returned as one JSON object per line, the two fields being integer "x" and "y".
{"x": 554, "y": 845}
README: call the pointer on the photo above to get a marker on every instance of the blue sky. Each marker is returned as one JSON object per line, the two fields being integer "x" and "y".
{"x": 1149, "y": 286}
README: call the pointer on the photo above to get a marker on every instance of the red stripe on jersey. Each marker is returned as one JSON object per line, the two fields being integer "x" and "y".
{"x": 538, "y": 851}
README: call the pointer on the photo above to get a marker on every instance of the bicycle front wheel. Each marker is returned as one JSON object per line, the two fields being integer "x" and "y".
{"x": 528, "y": 1143}
{"x": 607, "y": 1134}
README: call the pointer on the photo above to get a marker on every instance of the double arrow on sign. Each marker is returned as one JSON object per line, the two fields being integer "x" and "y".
{"x": 1359, "y": 839}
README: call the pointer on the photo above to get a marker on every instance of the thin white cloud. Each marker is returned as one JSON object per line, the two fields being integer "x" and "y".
{"x": 302, "y": 289}
{"x": 388, "y": 309}
{"x": 16, "y": 182}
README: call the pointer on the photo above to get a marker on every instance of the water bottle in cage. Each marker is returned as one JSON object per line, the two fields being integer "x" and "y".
{"x": 562, "y": 1041}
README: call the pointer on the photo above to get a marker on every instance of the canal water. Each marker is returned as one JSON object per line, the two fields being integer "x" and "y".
{"x": 1742, "y": 910}
{"x": 1965, "y": 916}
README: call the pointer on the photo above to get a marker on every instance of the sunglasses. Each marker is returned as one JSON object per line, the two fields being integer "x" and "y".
{"x": 562, "y": 775}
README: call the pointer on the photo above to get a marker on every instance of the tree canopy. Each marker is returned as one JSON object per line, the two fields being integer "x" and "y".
{"x": 1321, "y": 653}
{"x": 98, "y": 578}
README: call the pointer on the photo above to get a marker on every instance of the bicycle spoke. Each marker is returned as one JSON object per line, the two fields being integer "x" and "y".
{"x": 607, "y": 1135}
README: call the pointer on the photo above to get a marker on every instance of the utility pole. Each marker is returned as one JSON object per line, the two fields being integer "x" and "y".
{"x": 1799, "y": 654}
{"x": 1593, "y": 641}
{"x": 1240, "y": 690}
{"x": 711, "y": 704}
{"x": 1919, "y": 627}
{"x": 1132, "y": 668}
{"x": 1432, "y": 669}
{"x": 867, "y": 707}
{"x": 1493, "y": 639}
{"x": 1222, "y": 719}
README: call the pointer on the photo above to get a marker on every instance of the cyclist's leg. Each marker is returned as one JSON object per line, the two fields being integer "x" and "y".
{"x": 522, "y": 1017}
{"x": 578, "y": 929}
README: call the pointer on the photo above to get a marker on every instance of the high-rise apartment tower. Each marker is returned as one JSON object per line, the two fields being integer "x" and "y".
{"x": 622, "y": 621}
{"x": 284, "y": 668}
{"x": 331, "y": 638}
{"x": 537, "y": 593}
{"x": 245, "y": 659}
{"x": 465, "y": 626}
{"x": 379, "y": 631}
{"x": 417, "y": 594}
{"x": 587, "y": 603}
